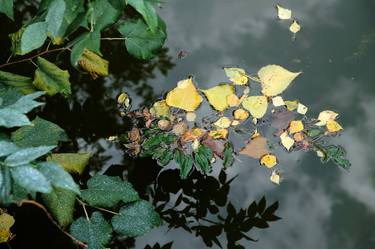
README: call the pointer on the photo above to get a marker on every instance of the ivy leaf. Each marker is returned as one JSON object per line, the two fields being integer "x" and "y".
{"x": 26, "y": 155}
{"x": 42, "y": 132}
{"x": 29, "y": 38}
{"x": 147, "y": 10}
{"x": 228, "y": 155}
{"x": 51, "y": 79}
{"x": 185, "y": 162}
{"x": 96, "y": 232}
{"x": 89, "y": 40}
{"x": 93, "y": 63}
{"x": 60, "y": 203}
{"x": 6, "y": 7}
{"x": 141, "y": 42}
{"x": 136, "y": 219}
{"x": 107, "y": 191}
{"x": 71, "y": 162}
{"x": 202, "y": 159}
{"x": 58, "y": 176}
{"x": 22, "y": 83}
{"x": 31, "y": 179}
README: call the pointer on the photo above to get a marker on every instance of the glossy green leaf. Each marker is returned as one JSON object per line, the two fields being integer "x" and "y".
{"x": 72, "y": 162}
{"x": 185, "y": 162}
{"x": 336, "y": 154}
{"x": 140, "y": 41}
{"x": 58, "y": 177}
{"x": 202, "y": 159}
{"x": 60, "y": 202}
{"x": 107, "y": 191}
{"x": 29, "y": 38}
{"x": 7, "y": 147}
{"x": 54, "y": 19}
{"x": 228, "y": 155}
{"x": 26, "y": 155}
{"x": 136, "y": 219}
{"x": 103, "y": 14}
{"x": 89, "y": 40}
{"x": 51, "y": 79}
{"x": 31, "y": 179}
{"x": 96, "y": 232}
{"x": 147, "y": 10}
{"x": 42, "y": 132}
{"x": 22, "y": 83}
{"x": 6, "y": 7}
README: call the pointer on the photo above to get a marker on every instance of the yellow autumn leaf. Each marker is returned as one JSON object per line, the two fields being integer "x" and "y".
{"x": 6, "y": 222}
{"x": 223, "y": 122}
{"x": 291, "y": 105}
{"x": 218, "y": 134}
{"x": 333, "y": 126}
{"x": 185, "y": 96}
{"x": 302, "y": 109}
{"x": 237, "y": 75}
{"x": 191, "y": 116}
{"x": 275, "y": 79}
{"x": 256, "y": 105}
{"x": 160, "y": 109}
{"x": 241, "y": 114}
{"x": 268, "y": 160}
{"x": 275, "y": 177}
{"x": 235, "y": 123}
{"x": 286, "y": 141}
{"x": 283, "y": 13}
{"x": 93, "y": 63}
{"x": 124, "y": 100}
{"x": 295, "y": 27}
{"x": 233, "y": 100}
{"x": 217, "y": 96}
{"x": 278, "y": 101}
{"x": 295, "y": 126}
{"x": 326, "y": 115}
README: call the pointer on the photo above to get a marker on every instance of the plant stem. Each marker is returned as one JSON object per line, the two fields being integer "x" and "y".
{"x": 113, "y": 39}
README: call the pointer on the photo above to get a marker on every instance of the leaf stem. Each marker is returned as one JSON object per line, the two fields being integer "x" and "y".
{"x": 113, "y": 39}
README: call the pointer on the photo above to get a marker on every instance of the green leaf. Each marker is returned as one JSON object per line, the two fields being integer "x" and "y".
{"x": 96, "y": 232}
{"x": 19, "y": 193}
{"x": 228, "y": 155}
{"x": 60, "y": 203}
{"x": 202, "y": 159}
{"x": 42, "y": 132}
{"x": 51, "y": 79}
{"x": 140, "y": 41}
{"x": 136, "y": 219}
{"x": 9, "y": 95}
{"x": 107, "y": 191}
{"x": 89, "y": 40}
{"x": 337, "y": 155}
{"x": 29, "y": 38}
{"x": 22, "y": 83}
{"x": 185, "y": 162}
{"x": 6, "y": 7}
{"x": 5, "y": 185}
{"x": 31, "y": 179}
{"x": 72, "y": 162}
{"x": 314, "y": 132}
{"x": 147, "y": 10}
{"x": 58, "y": 176}
{"x": 103, "y": 14}
{"x": 7, "y": 148}
{"x": 9, "y": 118}
{"x": 163, "y": 156}
{"x": 55, "y": 17}
{"x": 23, "y": 156}
{"x": 26, "y": 103}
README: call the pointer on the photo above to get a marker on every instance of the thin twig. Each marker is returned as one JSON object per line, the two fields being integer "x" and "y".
{"x": 99, "y": 208}
{"x": 84, "y": 209}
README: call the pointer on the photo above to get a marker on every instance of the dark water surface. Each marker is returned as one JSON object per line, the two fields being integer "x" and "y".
{"x": 321, "y": 206}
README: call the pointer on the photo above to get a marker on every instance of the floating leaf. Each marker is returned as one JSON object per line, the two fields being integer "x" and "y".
{"x": 278, "y": 101}
{"x": 281, "y": 120}
{"x": 241, "y": 114}
{"x": 22, "y": 83}
{"x": 295, "y": 126}
{"x": 337, "y": 155}
{"x": 223, "y": 123}
{"x": 93, "y": 63}
{"x": 218, "y": 134}
{"x": 51, "y": 79}
{"x": 185, "y": 96}
{"x": 268, "y": 160}
{"x": 185, "y": 162}
{"x": 286, "y": 141}
{"x": 275, "y": 79}
{"x": 256, "y": 105}
{"x": 324, "y": 116}
{"x": 333, "y": 126}
{"x": 233, "y": 100}
{"x": 217, "y": 96}
{"x": 136, "y": 219}
{"x": 228, "y": 155}
{"x": 160, "y": 109}
{"x": 295, "y": 27}
{"x": 6, "y": 222}
{"x": 283, "y": 13}
{"x": 301, "y": 109}
{"x": 72, "y": 162}
{"x": 256, "y": 148}
{"x": 237, "y": 75}
{"x": 191, "y": 116}
{"x": 275, "y": 177}
{"x": 202, "y": 158}
{"x": 107, "y": 191}
{"x": 291, "y": 105}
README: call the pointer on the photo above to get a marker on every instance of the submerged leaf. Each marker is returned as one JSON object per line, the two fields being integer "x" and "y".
{"x": 256, "y": 105}
{"x": 217, "y": 96}
{"x": 185, "y": 96}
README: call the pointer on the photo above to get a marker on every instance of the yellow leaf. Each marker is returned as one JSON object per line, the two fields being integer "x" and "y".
{"x": 93, "y": 63}
{"x": 302, "y": 109}
{"x": 124, "y": 100}
{"x": 320, "y": 153}
{"x": 278, "y": 101}
{"x": 324, "y": 116}
{"x": 6, "y": 222}
{"x": 160, "y": 109}
{"x": 256, "y": 105}
{"x": 275, "y": 79}
{"x": 233, "y": 100}
{"x": 223, "y": 122}
{"x": 268, "y": 160}
{"x": 333, "y": 126}
{"x": 191, "y": 116}
{"x": 193, "y": 134}
{"x": 237, "y": 75}
{"x": 298, "y": 137}
{"x": 291, "y": 105}
{"x": 241, "y": 114}
{"x": 295, "y": 27}
{"x": 235, "y": 123}
{"x": 217, "y": 134}
{"x": 185, "y": 96}
{"x": 276, "y": 177}
{"x": 283, "y": 13}
{"x": 217, "y": 96}
{"x": 286, "y": 141}
{"x": 295, "y": 126}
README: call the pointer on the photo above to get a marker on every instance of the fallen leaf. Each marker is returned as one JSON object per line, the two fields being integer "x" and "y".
{"x": 218, "y": 134}
{"x": 195, "y": 145}
{"x": 223, "y": 122}
{"x": 275, "y": 79}
{"x": 333, "y": 126}
{"x": 164, "y": 125}
{"x": 185, "y": 96}
{"x": 134, "y": 135}
{"x": 237, "y": 75}
{"x": 233, "y": 100}
{"x": 295, "y": 126}
{"x": 160, "y": 109}
{"x": 276, "y": 177}
{"x": 217, "y": 146}
{"x": 268, "y": 160}
{"x": 298, "y": 137}
{"x": 191, "y": 135}
{"x": 124, "y": 100}
{"x": 6, "y": 222}
{"x": 180, "y": 128}
{"x": 281, "y": 120}
{"x": 291, "y": 105}
{"x": 241, "y": 114}
{"x": 191, "y": 116}
{"x": 256, "y": 105}
{"x": 283, "y": 13}
{"x": 302, "y": 109}
{"x": 286, "y": 141}
{"x": 278, "y": 101}
{"x": 324, "y": 116}
{"x": 235, "y": 123}
{"x": 295, "y": 27}
{"x": 256, "y": 148}
{"x": 217, "y": 96}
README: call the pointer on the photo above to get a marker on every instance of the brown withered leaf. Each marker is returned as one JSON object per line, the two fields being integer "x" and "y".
{"x": 281, "y": 120}
{"x": 134, "y": 135}
{"x": 256, "y": 148}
